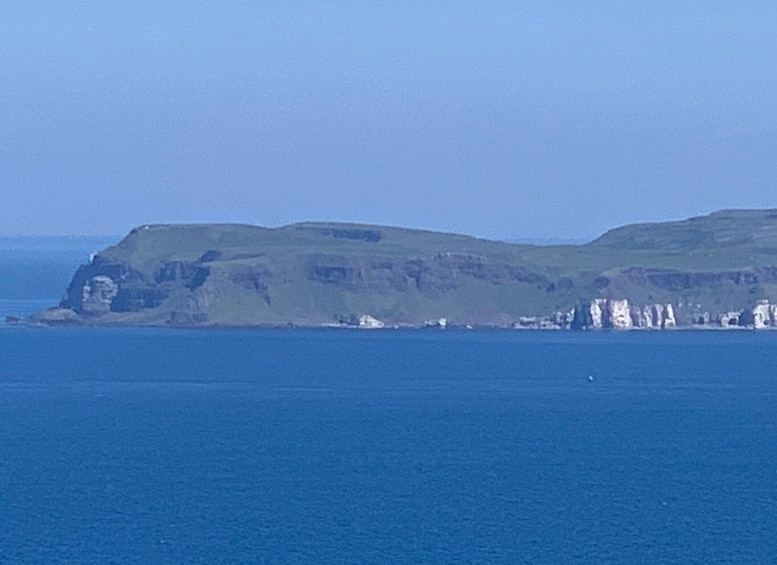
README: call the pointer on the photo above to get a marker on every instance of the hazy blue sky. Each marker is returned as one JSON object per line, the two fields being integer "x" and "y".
{"x": 503, "y": 119}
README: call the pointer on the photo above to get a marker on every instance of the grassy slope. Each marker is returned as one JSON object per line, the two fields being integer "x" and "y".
{"x": 724, "y": 241}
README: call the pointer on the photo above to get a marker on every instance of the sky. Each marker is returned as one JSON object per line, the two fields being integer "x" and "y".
{"x": 498, "y": 119}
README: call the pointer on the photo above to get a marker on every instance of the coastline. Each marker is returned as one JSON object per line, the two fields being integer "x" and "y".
{"x": 13, "y": 321}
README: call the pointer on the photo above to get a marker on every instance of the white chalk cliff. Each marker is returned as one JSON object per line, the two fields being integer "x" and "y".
{"x": 370, "y": 322}
{"x": 762, "y": 315}
{"x": 603, "y": 313}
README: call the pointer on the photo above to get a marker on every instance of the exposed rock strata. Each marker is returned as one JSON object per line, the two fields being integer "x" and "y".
{"x": 762, "y": 315}
{"x": 603, "y": 313}
{"x": 97, "y": 295}
{"x": 659, "y": 316}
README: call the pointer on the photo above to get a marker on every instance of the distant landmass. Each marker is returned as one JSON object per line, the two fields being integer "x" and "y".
{"x": 718, "y": 270}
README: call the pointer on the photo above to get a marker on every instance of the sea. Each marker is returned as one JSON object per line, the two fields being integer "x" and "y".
{"x": 130, "y": 445}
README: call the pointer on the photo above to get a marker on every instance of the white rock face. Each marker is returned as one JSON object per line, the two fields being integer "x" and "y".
{"x": 620, "y": 314}
{"x": 643, "y": 317}
{"x": 370, "y": 323}
{"x": 442, "y": 323}
{"x": 667, "y": 317}
{"x": 764, "y": 315}
{"x": 654, "y": 316}
{"x": 563, "y": 320}
{"x": 532, "y": 322}
{"x": 97, "y": 295}
{"x": 604, "y": 313}
{"x": 597, "y": 310}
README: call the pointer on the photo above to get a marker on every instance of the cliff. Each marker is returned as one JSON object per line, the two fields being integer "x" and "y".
{"x": 692, "y": 272}
{"x": 603, "y": 313}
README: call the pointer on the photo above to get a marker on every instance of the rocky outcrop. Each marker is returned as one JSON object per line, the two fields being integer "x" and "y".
{"x": 618, "y": 314}
{"x": 55, "y": 316}
{"x": 97, "y": 294}
{"x": 104, "y": 286}
{"x": 431, "y": 276}
{"x": 658, "y": 316}
{"x": 137, "y": 298}
{"x": 762, "y": 315}
{"x": 190, "y": 274}
{"x": 557, "y": 321}
{"x": 604, "y": 313}
{"x": 368, "y": 322}
{"x": 94, "y": 287}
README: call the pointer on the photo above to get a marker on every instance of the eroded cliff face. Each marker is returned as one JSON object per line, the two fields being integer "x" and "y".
{"x": 764, "y": 315}
{"x": 104, "y": 286}
{"x": 199, "y": 291}
{"x": 659, "y": 316}
{"x": 97, "y": 295}
{"x": 434, "y": 275}
{"x": 761, "y": 316}
{"x": 182, "y": 291}
{"x": 604, "y": 313}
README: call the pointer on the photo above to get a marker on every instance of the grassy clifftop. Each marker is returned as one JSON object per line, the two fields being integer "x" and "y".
{"x": 319, "y": 273}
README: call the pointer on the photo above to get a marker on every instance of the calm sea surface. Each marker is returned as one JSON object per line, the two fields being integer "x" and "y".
{"x": 172, "y": 446}
{"x": 127, "y": 445}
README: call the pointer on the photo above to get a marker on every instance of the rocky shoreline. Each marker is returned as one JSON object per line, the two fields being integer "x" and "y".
{"x": 596, "y": 315}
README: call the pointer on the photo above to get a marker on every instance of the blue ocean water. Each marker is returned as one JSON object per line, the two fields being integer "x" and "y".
{"x": 35, "y": 271}
{"x": 281, "y": 446}
{"x": 39, "y": 268}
